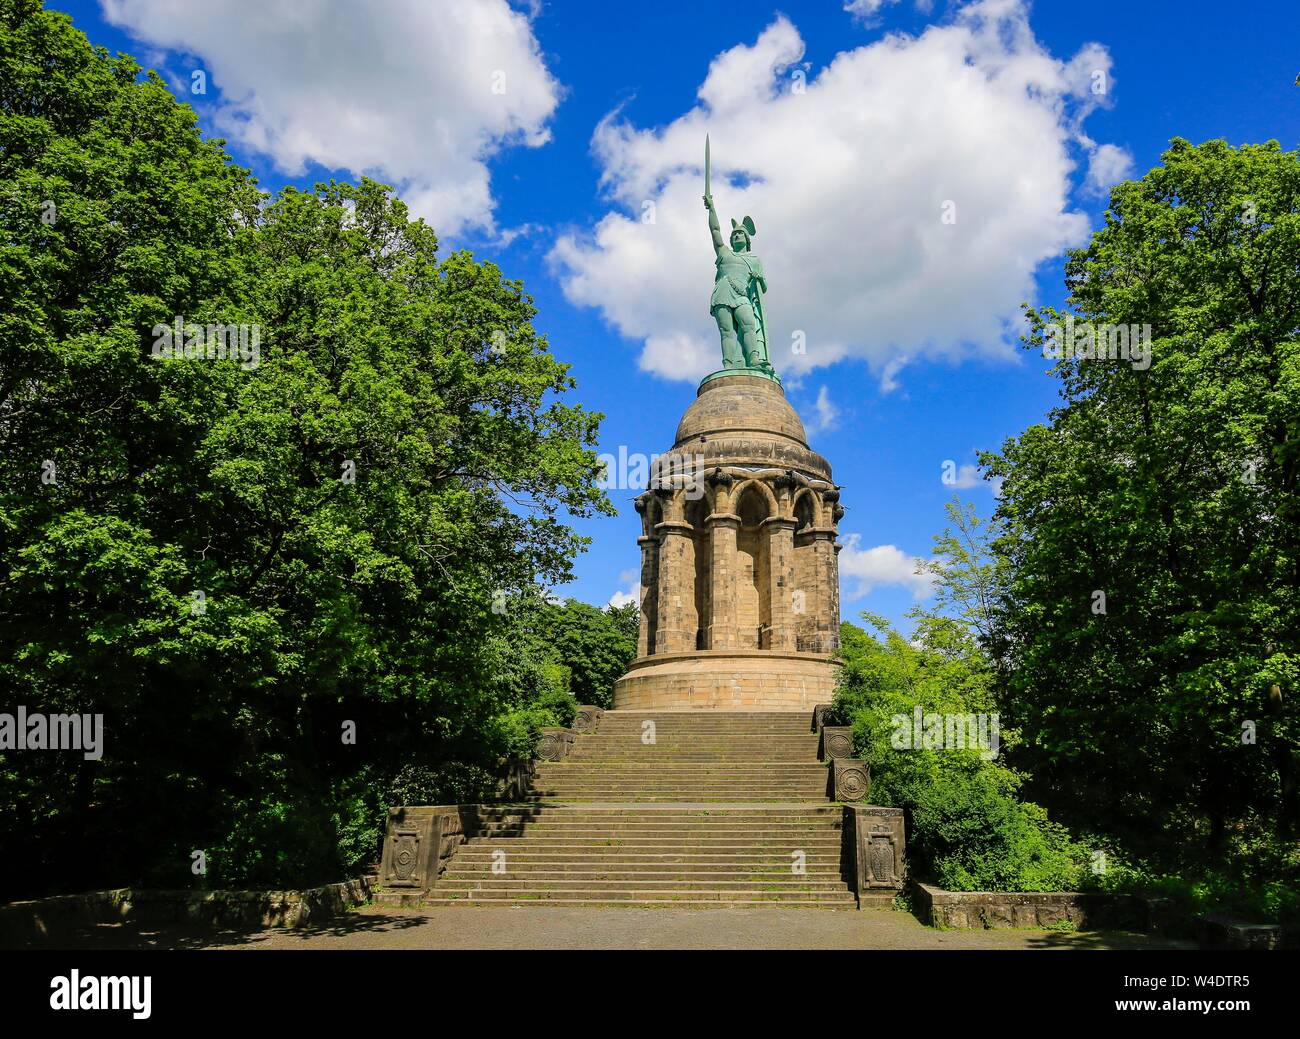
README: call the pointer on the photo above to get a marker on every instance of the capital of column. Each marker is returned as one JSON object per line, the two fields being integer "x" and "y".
{"x": 673, "y": 527}
{"x": 722, "y": 519}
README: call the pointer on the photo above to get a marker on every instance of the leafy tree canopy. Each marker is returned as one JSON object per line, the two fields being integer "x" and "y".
{"x": 1151, "y": 528}
{"x": 230, "y": 557}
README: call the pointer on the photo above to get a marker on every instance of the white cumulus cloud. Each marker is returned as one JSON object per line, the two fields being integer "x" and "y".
{"x": 1107, "y": 166}
{"x": 825, "y": 415}
{"x": 418, "y": 93}
{"x": 883, "y": 565}
{"x": 630, "y": 580}
{"x": 865, "y": 11}
{"x": 848, "y": 173}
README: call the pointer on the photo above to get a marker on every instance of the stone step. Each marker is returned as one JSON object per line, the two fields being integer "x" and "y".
{"x": 662, "y": 728}
{"x": 662, "y": 737}
{"x": 783, "y": 773}
{"x": 661, "y": 813}
{"x": 663, "y": 759}
{"x": 686, "y": 841}
{"x": 622, "y": 726}
{"x": 661, "y": 734}
{"x": 685, "y": 830}
{"x": 812, "y": 786}
{"x": 816, "y": 784}
{"x": 720, "y": 799}
{"x": 683, "y": 902}
{"x": 685, "y": 767}
{"x": 664, "y": 837}
{"x": 582, "y": 886}
{"x": 577, "y": 794}
{"x": 579, "y": 846}
{"x": 666, "y": 874}
{"x": 779, "y": 773}
{"x": 665, "y": 833}
{"x": 784, "y": 838}
{"x": 684, "y": 827}
{"x": 619, "y": 896}
{"x": 692, "y": 756}
{"x": 667, "y": 860}
{"x": 670, "y": 794}
{"x": 703, "y": 715}
{"x": 638, "y": 730}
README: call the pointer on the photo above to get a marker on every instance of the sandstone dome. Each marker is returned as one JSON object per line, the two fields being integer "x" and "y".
{"x": 746, "y": 421}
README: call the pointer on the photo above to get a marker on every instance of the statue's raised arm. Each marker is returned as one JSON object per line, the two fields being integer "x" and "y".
{"x": 715, "y": 230}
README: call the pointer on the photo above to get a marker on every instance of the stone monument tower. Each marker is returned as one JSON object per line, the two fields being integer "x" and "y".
{"x": 739, "y": 579}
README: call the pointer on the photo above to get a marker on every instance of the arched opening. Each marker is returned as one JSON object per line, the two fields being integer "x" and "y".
{"x": 805, "y": 600}
{"x": 803, "y": 511}
{"x": 696, "y": 513}
{"x": 753, "y": 608}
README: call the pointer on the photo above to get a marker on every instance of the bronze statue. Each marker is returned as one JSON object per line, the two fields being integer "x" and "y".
{"x": 738, "y": 287}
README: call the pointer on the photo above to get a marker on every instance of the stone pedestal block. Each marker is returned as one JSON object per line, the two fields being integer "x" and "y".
{"x": 554, "y": 744}
{"x": 874, "y": 848}
{"x": 587, "y": 719}
{"x": 837, "y": 742}
{"x": 850, "y": 779}
{"x": 413, "y": 845}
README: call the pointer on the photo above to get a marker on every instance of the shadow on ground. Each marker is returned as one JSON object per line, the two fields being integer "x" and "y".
{"x": 136, "y": 935}
{"x": 557, "y": 927}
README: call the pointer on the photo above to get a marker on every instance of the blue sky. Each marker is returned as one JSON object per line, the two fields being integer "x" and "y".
{"x": 843, "y": 131}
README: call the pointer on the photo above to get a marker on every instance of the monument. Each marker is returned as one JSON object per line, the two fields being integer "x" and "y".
{"x": 735, "y": 666}
{"x": 739, "y": 577}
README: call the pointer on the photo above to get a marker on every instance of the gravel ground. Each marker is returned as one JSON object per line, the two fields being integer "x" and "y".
{"x": 537, "y": 927}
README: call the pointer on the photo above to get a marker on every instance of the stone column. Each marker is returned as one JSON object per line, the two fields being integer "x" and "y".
{"x": 723, "y": 633}
{"x": 780, "y": 561}
{"x": 826, "y": 592}
{"x": 649, "y": 577}
{"x": 677, "y": 622}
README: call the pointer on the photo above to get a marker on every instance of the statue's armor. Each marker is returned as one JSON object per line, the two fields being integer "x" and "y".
{"x": 730, "y": 289}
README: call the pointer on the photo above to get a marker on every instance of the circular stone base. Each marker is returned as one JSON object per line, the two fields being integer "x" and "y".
{"x": 727, "y": 680}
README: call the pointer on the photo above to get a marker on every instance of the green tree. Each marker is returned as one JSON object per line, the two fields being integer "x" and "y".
{"x": 1152, "y": 526}
{"x": 968, "y": 830}
{"x": 969, "y": 576}
{"x": 231, "y": 560}
{"x": 595, "y": 645}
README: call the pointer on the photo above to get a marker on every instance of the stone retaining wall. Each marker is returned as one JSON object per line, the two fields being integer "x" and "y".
{"x": 959, "y": 910}
{"x": 33, "y": 922}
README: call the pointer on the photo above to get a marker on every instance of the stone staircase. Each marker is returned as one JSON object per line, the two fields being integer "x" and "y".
{"x": 705, "y": 809}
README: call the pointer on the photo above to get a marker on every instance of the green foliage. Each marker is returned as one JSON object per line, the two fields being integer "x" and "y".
{"x": 1169, "y": 717}
{"x": 450, "y": 783}
{"x": 325, "y": 599}
{"x": 596, "y": 645}
{"x": 967, "y": 830}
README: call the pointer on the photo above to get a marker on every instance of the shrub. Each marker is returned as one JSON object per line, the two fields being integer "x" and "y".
{"x": 967, "y": 830}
